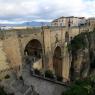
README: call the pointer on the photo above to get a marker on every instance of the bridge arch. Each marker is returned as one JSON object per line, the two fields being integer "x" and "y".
{"x": 33, "y": 52}
{"x": 57, "y": 61}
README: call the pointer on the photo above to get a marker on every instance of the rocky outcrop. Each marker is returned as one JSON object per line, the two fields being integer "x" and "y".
{"x": 3, "y": 61}
{"x": 82, "y": 49}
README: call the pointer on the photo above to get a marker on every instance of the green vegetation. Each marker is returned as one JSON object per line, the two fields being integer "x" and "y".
{"x": 82, "y": 87}
{"x": 21, "y": 78}
{"x": 92, "y": 58}
{"x": 7, "y": 77}
{"x": 77, "y": 43}
{"x": 49, "y": 74}
{"x": 93, "y": 64}
{"x": 59, "y": 78}
{"x": 2, "y": 92}
{"x": 37, "y": 72}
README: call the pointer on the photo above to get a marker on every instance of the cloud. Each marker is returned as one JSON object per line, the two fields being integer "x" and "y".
{"x": 45, "y": 10}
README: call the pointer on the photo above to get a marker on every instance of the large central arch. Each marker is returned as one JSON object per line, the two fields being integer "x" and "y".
{"x": 33, "y": 51}
{"x": 57, "y": 61}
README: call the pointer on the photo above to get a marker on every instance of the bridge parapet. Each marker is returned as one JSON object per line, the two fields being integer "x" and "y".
{"x": 18, "y": 32}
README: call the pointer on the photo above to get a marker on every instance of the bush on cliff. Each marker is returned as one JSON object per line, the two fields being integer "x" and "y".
{"x": 37, "y": 72}
{"x": 82, "y": 87}
{"x": 49, "y": 74}
{"x": 78, "y": 42}
{"x": 7, "y": 77}
{"x": 59, "y": 78}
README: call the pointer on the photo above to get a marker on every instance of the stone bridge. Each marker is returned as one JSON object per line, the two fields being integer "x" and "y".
{"x": 49, "y": 45}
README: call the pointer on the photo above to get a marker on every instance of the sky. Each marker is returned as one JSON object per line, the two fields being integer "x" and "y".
{"x": 18, "y": 11}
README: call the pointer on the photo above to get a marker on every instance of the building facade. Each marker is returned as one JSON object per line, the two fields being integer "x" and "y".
{"x": 91, "y": 22}
{"x": 68, "y": 21}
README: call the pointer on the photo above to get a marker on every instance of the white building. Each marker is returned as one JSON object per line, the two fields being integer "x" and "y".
{"x": 68, "y": 21}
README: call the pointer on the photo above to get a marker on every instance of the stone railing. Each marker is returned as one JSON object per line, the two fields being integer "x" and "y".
{"x": 18, "y": 32}
{"x": 65, "y": 81}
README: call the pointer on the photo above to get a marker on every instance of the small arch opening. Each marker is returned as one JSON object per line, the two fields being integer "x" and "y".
{"x": 57, "y": 61}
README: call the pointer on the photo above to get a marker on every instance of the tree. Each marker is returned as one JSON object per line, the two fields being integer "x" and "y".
{"x": 82, "y": 87}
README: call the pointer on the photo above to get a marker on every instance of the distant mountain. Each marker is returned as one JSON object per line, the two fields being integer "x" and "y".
{"x": 9, "y": 25}
{"x": 32, "y": 24}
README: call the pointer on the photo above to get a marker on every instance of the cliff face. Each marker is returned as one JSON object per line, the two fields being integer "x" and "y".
{"x": 3, "y": 62}
{"x": 82, "y": 49}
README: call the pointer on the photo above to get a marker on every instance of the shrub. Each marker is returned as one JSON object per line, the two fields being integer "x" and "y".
{"x": 21, "y": 78}
{"x": 37, "y": 72}
{"x": 59, "y": 78}
{"x": 7, "y": 77}
{"x": 78, "y": 42}
{"x": 81, "y": 87}
{"x": 2, "y": 92}
{"x": 49, "y": 74}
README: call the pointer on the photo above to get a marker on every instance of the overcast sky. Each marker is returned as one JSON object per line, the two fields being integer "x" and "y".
{"x": 44, "y": 10}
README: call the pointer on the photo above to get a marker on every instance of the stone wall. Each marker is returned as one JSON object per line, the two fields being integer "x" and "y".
{"x": 12, "y": 49}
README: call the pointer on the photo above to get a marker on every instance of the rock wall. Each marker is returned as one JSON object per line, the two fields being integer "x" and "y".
{"x": 3, "y": 61}
{"x": 83, "y": 55}
{"x": 12, "y": 49}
